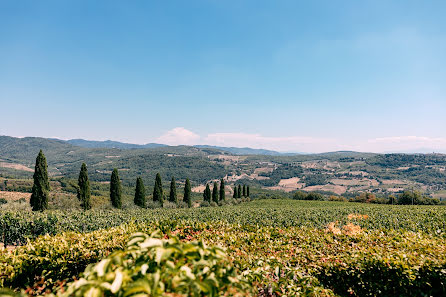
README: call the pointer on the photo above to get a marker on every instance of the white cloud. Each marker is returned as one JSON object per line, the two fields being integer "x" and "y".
{"x": 408, "y": 143}
{"x": 292, "y": 143}
{"x": 178, "y": 136}
{"x": 181, "y": 135}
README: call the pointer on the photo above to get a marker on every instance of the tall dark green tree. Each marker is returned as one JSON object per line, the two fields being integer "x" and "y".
{"x": 239, "y": 191}
{"x": 244, "y": 191}
{"x": 140, "y": 193}
{"x": 83, "y": 191}
{"x": 187, "y": 193}
{"x": 235, "y": 195}
{"x": 207, "y": 194}
{"x": 173, "y": 191}
{"x": 222, "y": 190}
{"x": 41, "y": 186}
{"x": 247, "y": 191}
{"x": 115, "y": 190}
{"x": 158, "y": 189}
{"x": 215, "y": 193}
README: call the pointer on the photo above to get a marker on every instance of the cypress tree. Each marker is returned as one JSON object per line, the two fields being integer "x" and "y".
{"x": 173, "y": 191}
{"x": 158, "y": 189}
{"x": 140, "y": 193}
{"x": 244, "y": 191}
{"x": 115, "y": 189}
{"x": 235, "y": 192}
{"x": 247, "y": 191}
{"x": 215, "y": 193}
{"x": 187, "y": 193}
{"x": 239, "y": 192}
{"x": 83, "y": 191}
{"x": 222, "y": 190}
{"x": 207, "y": 194}
{"x": 41, "y": 186}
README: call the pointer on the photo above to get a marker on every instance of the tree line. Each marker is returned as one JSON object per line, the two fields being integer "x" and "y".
{"x": 41, "y": 189}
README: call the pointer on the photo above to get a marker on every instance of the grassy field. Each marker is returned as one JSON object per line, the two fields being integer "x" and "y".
{"x": 282, "y": 247}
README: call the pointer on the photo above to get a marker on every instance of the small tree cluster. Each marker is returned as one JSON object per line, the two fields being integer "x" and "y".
{"x": 217, "y": 194}
{"x": 240, "y": 191}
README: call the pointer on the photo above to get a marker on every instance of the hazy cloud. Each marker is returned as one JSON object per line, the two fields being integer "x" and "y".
{"x": 181, "y": 135}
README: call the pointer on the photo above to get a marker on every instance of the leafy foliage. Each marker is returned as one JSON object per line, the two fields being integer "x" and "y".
{"x": 154, "y": 266}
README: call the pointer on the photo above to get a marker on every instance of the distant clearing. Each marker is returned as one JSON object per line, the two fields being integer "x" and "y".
{"x": 16, "y": 166}
{"x": 13, "y": 196}
{"x": 327, "y": 188}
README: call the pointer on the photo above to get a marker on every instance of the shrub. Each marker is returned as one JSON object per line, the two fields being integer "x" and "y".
{"x": 204, "y": 204}
{"x": 337, "y": 198}
{"x": 152, "y": 266}
{"x": 154, "y": 204}
{"x": 314, "y": 196}
{"x": 300, "y": 195}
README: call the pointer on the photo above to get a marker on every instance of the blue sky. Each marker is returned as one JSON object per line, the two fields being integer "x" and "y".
{"x": 307, "y": 76}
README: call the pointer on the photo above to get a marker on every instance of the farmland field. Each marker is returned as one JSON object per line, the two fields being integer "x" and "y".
{"x": 281, "y": 247}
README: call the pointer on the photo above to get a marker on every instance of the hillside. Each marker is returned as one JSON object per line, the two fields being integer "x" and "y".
{"x": 342, "y": 173}
{"x": 111, "y": 144}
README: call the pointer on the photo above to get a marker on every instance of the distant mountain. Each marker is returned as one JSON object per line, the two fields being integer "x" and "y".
{"x": 112, "y": 144}
{"x": 121, "y": 145}
{"x": 245, "y": 150}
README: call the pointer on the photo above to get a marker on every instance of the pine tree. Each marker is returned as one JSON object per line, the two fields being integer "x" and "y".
{"x": 222, "y": 190}
{"x": 239, "y": 192}
{"x": 235, "y": 192}
{"x": 207, "y": 194}
{"x": 41, "y": 186}
{"x": 215, "y": 193}
{"x": 247, "y": 191}
{"x": 244, "y": 191}
{"x": 115, "y": 189}
{"x": 173, "y": 191}
{"x": 158, "y": 189}
{"x": 140, "y": 193}
{"x": 187, "y": 193}
{"x": 83, "y": 191}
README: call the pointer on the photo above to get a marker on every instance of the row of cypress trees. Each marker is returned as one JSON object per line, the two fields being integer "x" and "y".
{"x": 238, "y": 191}
{"x": 216, "y": 195}
{"x": 41, "y": 188}
{"x": 158, "y": 195}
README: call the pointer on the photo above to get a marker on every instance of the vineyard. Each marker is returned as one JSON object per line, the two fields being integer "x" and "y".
{"x": 270, "y": 248}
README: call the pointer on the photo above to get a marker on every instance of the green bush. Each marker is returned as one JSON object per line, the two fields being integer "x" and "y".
{"x": 152, "y": 266}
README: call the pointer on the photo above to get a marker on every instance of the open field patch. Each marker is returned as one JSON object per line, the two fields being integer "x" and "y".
{"x": 327, "y": 188}
{"x": 14, "y": 196}
{"x": 16, "y": 166}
